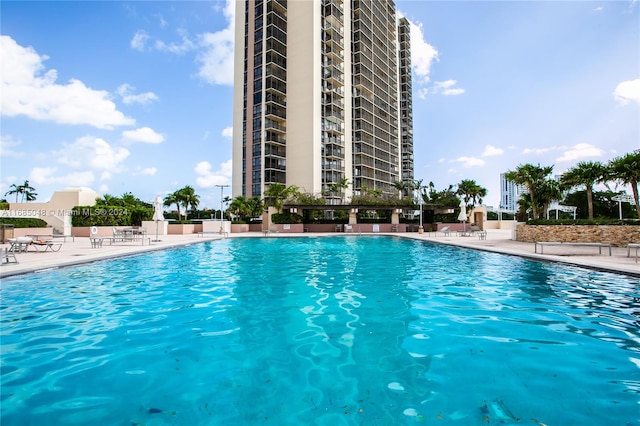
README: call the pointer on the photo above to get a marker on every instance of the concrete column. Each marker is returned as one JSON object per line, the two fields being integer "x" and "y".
{"x": 353, "y": 218}
{"x": 395, "y": 218}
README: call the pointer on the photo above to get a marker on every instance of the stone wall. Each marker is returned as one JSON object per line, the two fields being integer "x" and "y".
{"x": 616, "y": 235}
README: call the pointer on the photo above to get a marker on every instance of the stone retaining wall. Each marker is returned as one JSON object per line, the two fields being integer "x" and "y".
{"x": 616, "y": 235}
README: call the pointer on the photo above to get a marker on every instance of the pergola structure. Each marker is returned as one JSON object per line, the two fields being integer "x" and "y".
{"x": 559, "y": 207}
{"x": 623, "y": 198}
{"x": 353, "y": 209}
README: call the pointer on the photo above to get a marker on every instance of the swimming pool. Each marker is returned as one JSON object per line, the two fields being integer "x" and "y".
{"x": 338, "y": 330}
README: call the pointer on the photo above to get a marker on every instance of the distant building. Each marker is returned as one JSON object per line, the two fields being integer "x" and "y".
{"x": 322, "y": 96}
{"x": 510, "y": 193}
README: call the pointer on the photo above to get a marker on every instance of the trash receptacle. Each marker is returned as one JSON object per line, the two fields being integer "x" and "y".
{"x": 6, "y": 232}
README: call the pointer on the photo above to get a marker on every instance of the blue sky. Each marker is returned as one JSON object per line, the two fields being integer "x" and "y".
{"x": 137, "y": 96}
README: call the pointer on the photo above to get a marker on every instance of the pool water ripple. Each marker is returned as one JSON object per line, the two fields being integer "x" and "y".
{"x": 325, "y": 331}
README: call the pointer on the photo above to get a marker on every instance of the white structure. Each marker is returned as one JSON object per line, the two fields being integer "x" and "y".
{"x": 57, "y": 211}
{"x": 557, "y": 207}
{"x": 510, "y": 193}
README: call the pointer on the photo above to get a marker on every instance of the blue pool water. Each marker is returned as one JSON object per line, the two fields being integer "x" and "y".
{"x": 320, "y": 331}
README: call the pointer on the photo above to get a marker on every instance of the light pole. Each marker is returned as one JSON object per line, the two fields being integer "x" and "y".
{"x": 222, "y": 187}
{"x": 420, "y": 228}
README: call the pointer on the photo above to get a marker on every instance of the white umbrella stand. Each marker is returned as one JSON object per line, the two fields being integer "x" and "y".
{"x": 157, "y": 215}
{"x": 463, "y": 216}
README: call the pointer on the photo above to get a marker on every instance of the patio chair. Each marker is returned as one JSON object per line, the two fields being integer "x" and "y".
{"x": 118, "y": 235}
{"x": 474, "y": 228}
{"x": 445, "y": 230}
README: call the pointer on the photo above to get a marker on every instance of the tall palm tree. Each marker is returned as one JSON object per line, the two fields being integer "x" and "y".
{"x": 28, "y": 192}
{"x": 277, "y": 193}
{"x": 586, "y": 173}
{"x": 107, "y": 200}
{"x": 339, "y": 187}
{"x": 547, "y": 191}
{"x": 626, "y": 169}
{"x": 532, "y": 177}
{"x": 187, "y": 196}
{"x": 15, "y": 189}
{"x": 172, "y": 199}
{"x": 404, "y": 188}
{"x": 471, "y": 191}
{"x": 25, "y": 191}
{"x": 256, "y": 206}
{"x": 128, "y": 199}
{"x": 239, "y": 207}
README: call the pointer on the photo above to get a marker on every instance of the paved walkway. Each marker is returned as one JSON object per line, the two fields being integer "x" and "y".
{"x": 499, "y": 241}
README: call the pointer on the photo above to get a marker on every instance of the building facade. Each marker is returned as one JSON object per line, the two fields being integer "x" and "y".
{"x": 325, "y": 99}
{"x": 510, "y": 193}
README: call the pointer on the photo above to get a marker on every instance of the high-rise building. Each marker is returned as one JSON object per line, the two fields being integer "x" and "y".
{"x": 322, "y": 97}
{"x": 510, "y": 193}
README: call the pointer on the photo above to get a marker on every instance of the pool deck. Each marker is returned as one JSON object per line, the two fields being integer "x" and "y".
{"x": 499, "y": 241}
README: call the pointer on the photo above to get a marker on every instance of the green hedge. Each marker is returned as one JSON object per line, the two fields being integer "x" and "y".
{"x": 110, "y": 215}
{"x": 286, "y": 218}
{"x": 24, "y": 222}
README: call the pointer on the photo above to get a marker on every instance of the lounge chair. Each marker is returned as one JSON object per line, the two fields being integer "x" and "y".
{"x": 8, "y": 256}
{"x": 42, "y": 245}
{"x": 20, "y": 244}
{"x": 445, "y": 230}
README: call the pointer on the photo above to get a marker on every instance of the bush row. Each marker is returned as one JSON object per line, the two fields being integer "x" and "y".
{"x": 24, "y": 222}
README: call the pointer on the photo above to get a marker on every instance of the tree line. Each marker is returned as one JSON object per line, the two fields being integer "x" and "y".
{"x": 541, "y": 189}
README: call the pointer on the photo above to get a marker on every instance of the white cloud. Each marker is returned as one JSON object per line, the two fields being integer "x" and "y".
{"x": 423, "y": 92}
{"x": 214, "y": 51}
{"x": 628, "y": 91}
{"x": 423, "y": 57}
{"x": 579, "y": 152}
{"x": 149, "y": 171}
{"x": 92, "y": 153}
{"x": 46, "y": 176}
{"x": 423, "y": 54}
{"x": 446, "y": 88}
{"x": 29, "y": 91}
{"x": 207, "y": 178}
{"x": 216, "y": 58}
{"x": 491, "y": 150}
{"x": 540, "y": 150}
{"x": 7, "y": 147}
{"x": 143, "y": 134}
{"x": 227, "y": 132}
{"x": 470, "y": 161}
{"x": 139, "y": 40}
{"x": 184, "y": 46}
{"x": 126, "y": 93}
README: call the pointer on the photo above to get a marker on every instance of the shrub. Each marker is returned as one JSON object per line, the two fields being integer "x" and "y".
{"x": 24, "y": 222}
{"x": 110, "y": 215}
{"x": 286, "y": 218}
